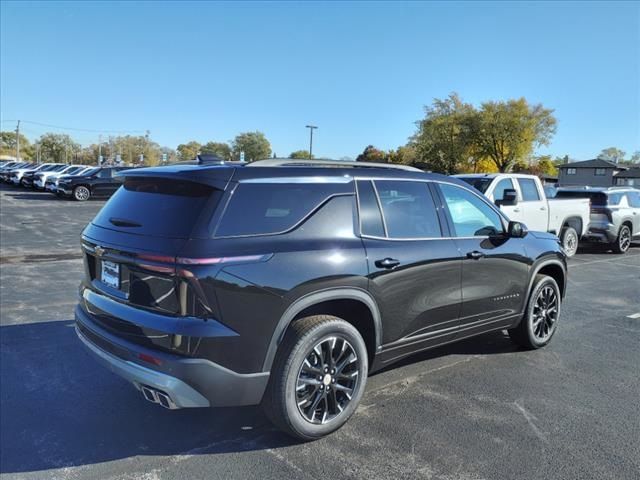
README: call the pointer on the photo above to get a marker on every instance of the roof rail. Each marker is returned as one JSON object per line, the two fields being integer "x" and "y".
{"x": 292, "y": 162}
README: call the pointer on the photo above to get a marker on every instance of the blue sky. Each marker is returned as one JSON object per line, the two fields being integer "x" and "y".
{"x": 360, "y": 71}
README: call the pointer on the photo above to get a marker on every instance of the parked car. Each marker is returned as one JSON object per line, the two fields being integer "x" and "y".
{"x": 98, "y": 182}
{"x": 28, "y": 176}
{"x": 523, "y": 198}
{"x": 16, "y": 175}
{"x": 286, "y": 282}
{"x": 51, "y": 183}
{"x": 40, "y": 178}
{"x": 5, "y": 171}
{"x": 615, "y": 214}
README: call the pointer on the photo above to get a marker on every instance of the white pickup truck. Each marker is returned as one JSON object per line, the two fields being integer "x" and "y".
{"x": 522, "y": 198}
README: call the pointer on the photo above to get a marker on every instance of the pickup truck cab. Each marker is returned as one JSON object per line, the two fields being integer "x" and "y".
{"x": 522, "y": 198}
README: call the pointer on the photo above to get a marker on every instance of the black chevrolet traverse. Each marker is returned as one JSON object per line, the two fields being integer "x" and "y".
{"x": 287, "y": 283}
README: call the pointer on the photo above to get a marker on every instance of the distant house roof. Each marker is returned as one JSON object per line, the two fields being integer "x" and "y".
{"x": 633, "y": 172}
{"x": 595, "y": 163}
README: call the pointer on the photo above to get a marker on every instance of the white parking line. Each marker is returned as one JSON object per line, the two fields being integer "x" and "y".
{"x": 635, "y": 315}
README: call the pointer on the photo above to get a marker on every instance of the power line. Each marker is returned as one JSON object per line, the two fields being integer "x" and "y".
{"x": 73, "y": 128}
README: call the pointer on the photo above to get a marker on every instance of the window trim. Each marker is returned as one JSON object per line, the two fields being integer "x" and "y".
{"x": 603, "y": 174}
{"x": 572, "y": 171}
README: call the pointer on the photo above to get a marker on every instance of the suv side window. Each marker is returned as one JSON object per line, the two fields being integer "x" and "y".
{"x": 529, "y": 190}
{"x": 408, "y": 208}
{"x": 504, "y": 184}
{"x": 271, "y": 208}
{"x": 105, "y": 173}
{"x": 471, "y": 216}
{"x": 370, "y": 217}
{"x": 634, "y": 199}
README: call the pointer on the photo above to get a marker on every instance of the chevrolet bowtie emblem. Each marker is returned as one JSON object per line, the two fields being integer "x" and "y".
{"x": 99, "y": 251}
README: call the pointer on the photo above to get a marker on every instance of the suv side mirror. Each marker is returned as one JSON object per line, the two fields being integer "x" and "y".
{"x": 509, "y": 198}
{"x": 517, "y": 230}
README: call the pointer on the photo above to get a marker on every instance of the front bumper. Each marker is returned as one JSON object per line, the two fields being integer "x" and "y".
{"x": 189, "y": 382}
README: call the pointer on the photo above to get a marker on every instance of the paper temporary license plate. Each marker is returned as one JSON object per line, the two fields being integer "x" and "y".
{"x": 110, "y": 274}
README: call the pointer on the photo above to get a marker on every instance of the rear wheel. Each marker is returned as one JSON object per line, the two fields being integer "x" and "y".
{"x": 318, "y": 377}
{"x": 81, "y": 193}
{"x": 569, "y": 239}
{"x": 541, "y": 317}
{"x": 623, "y": 242}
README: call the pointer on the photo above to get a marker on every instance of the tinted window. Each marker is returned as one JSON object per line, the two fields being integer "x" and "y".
{"x": 597, "y": 198}
{"x": 409, "y": 210}
{"x": 370, "y": 216}
{"x": 479, "y": 183}
{"x": 471, "y": 216}
{"x": 634, "y": 199}
{"x": 157, "y": 207}
{"x": 529, "y": 190}
{"x": 268, "y": 208}
{"x": 615, "y": 198}
{"x": 504, "y": 184}
{"x": 105, "y": 173}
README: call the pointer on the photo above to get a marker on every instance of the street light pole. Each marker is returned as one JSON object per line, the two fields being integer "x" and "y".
{"x": 18, "y": 141}
{"x": 311, "y": 129}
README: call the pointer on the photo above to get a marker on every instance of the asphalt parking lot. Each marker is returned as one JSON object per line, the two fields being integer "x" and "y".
{"x": 480, "y": 409}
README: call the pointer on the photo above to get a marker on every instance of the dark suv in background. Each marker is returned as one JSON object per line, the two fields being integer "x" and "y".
{"x": 286, "y": 282}
{"x": 99, "y": 182}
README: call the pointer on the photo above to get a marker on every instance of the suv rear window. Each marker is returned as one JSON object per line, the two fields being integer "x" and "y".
{"x": 270, "y": 208}
{"x": 157, "y": 207}
{"x": 597, "y": 198}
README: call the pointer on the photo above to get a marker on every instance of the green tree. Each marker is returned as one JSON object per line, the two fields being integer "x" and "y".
{"x": 300, "y": 154}
{"x": 57, "y": 147}
{"x": 635, "y": 157}
{"x": 219, "y": 149}
{"x": 508, "y": 132}
{"x": 372, "y": 154}
{"x": 612, "y": 154}
{"x": 8, "y": 145}
{"x": 188, "y": 151}
{"x": 254, "y": 145}
{"x": 443, "y": 141}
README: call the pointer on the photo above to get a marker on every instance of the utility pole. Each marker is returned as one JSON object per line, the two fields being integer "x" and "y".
{"x": 99, "y": 150}
{"x": 18, "y": 141}
{"x": 311, "y": 129}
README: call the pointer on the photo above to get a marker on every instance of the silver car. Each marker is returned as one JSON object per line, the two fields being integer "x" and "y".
{"x": 615, "y": 214}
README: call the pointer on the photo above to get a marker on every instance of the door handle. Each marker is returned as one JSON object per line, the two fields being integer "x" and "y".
{"x": 543, "y": 208}
{"x": 387, "y": 263}
{"x": 516, "y": 210}
{"x": 475, "y": 255}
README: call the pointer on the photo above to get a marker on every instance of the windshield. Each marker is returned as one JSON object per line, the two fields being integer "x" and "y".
{"x": 479, "y": 183}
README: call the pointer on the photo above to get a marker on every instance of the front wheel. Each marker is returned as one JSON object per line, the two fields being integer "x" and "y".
{"x": 540, "y": 320}
{"x": 569, "y": 239}
{"x": 81, "y": 193}
{"x": 318, "y": 377}
{"x": 623, "y": 242}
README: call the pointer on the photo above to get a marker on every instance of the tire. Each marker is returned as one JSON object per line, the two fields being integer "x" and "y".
{"x": 569, "y": 239}
{"x": 81, "y": 193}
{"x": 298, "y": 358}
{"x": 623, "y": 242}
{"x": 539, "y": 323}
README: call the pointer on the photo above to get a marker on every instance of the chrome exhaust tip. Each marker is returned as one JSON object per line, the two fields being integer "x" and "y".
{"x": 158, "y": 396}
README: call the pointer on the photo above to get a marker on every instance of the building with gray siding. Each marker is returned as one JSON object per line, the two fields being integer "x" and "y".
{"x": 594, "y": 173}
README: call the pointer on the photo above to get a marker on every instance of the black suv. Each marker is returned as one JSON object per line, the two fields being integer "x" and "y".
{"x": 286, "y": 283}
{"x": 99, "y": 182}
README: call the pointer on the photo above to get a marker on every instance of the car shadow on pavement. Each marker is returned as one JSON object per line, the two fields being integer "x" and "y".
{"x": 59, "y": 408}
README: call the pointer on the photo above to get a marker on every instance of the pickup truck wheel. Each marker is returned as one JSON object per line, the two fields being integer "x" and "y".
{"x": 623, "y": 242}
{"x": 81, "y": 193}
{"x": 569, "y": 239}
{"x": 541, "y": 317}
{"x": 318, "y": 377}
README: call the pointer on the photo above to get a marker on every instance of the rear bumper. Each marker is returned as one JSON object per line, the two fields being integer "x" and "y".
{"x": 189, "y": 382}
{"x": 601, "y": 232}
